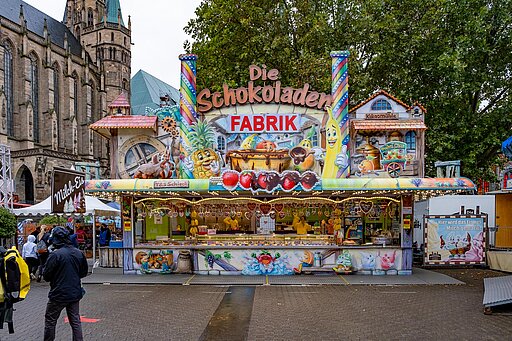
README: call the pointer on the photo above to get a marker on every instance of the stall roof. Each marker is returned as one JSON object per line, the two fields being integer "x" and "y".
{"x": 93, "y": 206}
{"x": 388, "y": 125}
{"x": 214, "y": 186}
{"x": 104, "y": 125}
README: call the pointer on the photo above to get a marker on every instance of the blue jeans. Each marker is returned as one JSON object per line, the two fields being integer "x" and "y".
{"x": 53, "y": 310}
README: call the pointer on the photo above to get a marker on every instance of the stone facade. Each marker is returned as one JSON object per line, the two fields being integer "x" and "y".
{"x": 55, "y": 82}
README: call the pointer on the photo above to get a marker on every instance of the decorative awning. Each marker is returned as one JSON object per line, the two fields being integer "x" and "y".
{"x": 388, "y": 125}
{"x": 107, "y": 123}
{"x": 327, "y": 187}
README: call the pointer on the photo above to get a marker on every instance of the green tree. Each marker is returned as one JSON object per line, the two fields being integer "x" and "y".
{"x": 53, "y": 220}
{"x": 8, "y": 223}
{"x": 454, "y": 57}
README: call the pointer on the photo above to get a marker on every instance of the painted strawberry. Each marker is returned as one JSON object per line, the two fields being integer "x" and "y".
{"x": 230, "y": 179}
{"x": 262, "y": 180}
{"x": 246, "y": 178}
{"x": 289, "y": 180}
{"x": 272, "y": 180}
{"x": 308, "y": 180}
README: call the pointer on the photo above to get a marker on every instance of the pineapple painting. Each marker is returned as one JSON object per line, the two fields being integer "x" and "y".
{"x": 204, "y": 161}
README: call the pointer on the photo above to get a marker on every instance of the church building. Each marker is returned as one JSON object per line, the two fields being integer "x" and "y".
{"x": 56, "y": 78}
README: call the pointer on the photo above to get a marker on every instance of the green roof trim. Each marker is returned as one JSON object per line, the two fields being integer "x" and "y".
{"x": 146, "y": 91}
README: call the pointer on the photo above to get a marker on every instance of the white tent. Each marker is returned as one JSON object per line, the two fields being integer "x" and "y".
{"x": 93, "y": 207}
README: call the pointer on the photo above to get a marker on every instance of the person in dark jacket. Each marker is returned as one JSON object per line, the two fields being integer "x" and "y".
{"x": 72, "y": 237}
{"x": 65, "y": 266}
{"x": 105, "y": 235}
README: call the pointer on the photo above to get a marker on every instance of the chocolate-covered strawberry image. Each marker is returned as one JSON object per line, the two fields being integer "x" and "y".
{"x": 289, "y": 180}
{"x": 308, "y": 180}
{"x": 273, "y": 180}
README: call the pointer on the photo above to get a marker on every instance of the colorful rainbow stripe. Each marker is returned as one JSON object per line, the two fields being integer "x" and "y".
{"x": 188, "y": 91}
{"x": 340, "y": 101}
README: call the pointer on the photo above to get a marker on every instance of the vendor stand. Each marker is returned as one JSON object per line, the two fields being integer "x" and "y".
{"x": 264, "y": 179}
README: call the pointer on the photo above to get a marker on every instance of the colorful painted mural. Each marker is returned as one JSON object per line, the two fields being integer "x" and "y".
{"x": 289, "y": 261}
{"x": 454, "y": 239}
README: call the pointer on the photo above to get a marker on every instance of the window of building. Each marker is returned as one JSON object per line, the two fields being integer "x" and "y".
{"x": 115, "y": 52}
{"x": 110, "y": 52}
{"x": 381, "y": 104}
{"x": 90, "y": 20}
{"x": 124, "y": 40}
{"x": 8, "y": 88}
{"x": 112, "y": 36}
{"x": 125, "y": 84}
{"x": 56, "y": 100}
{"x": 34, "y": 96}
{"x": 100, "y": 37}
{"x": 75, "y": 94}
{"x": 221, "y": 144}
{"x": 314, "y": 137}
{"x": 410, "y": 139}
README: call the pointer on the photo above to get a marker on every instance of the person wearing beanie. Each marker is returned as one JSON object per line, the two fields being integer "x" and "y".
{"x": 65, "y": 267}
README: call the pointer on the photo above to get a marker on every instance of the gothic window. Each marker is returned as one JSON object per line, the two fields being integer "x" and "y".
{"x": 78, "y": 31}
{"x": 75, "y": 94}
{"x": 100, "y": 37}
{"x": 125, "y": 84}
{"x": 124, "y": 40}
{"x": 410, "y": 139}
{"x": 110, "y": 52}
{"x": 90, "y": 21}
{"x": 114, "y": 49}
{"x": 8, "y": 87}
{"x": 34, "y": 96}
{"x": 56, "y": 99}
{"x": 381, "y": 104}
{"x": 112, "y": 36}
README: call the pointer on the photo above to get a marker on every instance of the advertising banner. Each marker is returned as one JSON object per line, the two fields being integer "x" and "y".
{"x": 457, "y": 239}
{"x": 68, "y": 191}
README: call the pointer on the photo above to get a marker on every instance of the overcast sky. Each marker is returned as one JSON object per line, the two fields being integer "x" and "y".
{"x": 157, "y": 32}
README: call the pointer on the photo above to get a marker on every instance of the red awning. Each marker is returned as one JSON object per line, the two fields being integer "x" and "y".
{"x": 107, "y": 123}
{"x": 388, "y": 125}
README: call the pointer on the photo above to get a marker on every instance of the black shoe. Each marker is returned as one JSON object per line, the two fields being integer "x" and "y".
{"x": 38, "y": 279}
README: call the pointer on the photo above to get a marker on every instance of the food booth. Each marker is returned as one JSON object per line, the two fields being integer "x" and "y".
{"x": 267, "y": 179}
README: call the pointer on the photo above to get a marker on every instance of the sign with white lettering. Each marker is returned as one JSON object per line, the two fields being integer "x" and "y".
{"x": 68, "y": 191}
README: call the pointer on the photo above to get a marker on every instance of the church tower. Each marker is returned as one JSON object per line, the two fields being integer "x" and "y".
{"x": 100, "y": 28}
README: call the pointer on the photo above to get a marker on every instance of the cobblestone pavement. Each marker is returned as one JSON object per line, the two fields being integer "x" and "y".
{"x": 176, "y": 312}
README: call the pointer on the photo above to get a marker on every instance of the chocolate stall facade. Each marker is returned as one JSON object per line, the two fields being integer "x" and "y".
{"x": 264, "y": 185}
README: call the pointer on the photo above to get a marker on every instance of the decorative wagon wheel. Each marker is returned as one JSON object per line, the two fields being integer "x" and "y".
{"x": 394, "y": 169}
{"x": 169, "y": 124}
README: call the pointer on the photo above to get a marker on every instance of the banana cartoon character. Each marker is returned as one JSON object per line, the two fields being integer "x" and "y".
{"x": 336, "y": 157}
{"x": 249, "y": 142}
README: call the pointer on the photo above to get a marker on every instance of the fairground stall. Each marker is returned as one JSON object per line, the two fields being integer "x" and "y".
{"x": 268, "y": 179}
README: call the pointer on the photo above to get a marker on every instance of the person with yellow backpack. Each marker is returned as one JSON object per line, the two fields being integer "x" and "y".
{"x": 14, "y": 284}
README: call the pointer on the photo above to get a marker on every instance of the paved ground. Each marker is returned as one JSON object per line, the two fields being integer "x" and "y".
{"x": 328, "y": 312}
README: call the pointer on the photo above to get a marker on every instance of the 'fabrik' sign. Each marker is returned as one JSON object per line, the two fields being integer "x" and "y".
{"x": 269, "y": 123}
{"x": 68, "y": 191}
{"x": 271, "y": 93}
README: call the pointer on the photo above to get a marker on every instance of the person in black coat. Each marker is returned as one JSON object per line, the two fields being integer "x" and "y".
{"x": 65, "y": 266}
